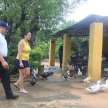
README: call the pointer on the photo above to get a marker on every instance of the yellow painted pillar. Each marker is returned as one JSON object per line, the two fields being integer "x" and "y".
{"x": 66, "y": 50}
{"x": 95, "y": 50}
{"x": 52, "y": 53}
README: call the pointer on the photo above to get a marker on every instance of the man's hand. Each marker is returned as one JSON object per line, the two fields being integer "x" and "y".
{"x": 5, "y": 65}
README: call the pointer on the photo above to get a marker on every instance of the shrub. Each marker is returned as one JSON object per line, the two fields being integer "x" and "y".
{"x": 12, "y": 67}
{"x": 35, "y": 56}
{"x": 11, "y": 61}
{"x": 43, "y": 49}
{"x": 33, "y": 64}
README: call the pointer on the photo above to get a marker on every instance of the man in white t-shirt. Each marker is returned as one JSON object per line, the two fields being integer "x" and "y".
{"x": 4, "y": 67}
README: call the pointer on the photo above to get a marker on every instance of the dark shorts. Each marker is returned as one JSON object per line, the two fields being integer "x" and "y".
{"x": 25, "y": 63}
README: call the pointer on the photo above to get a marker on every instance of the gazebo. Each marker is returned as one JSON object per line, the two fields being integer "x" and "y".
{"x": 94, "y": 26}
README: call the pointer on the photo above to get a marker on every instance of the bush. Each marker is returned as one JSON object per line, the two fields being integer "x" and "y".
{"x": 11, "y": 61}
{"x": 43, "y": 49}
{"x": 35, "y": 56}
{"x": 33, "y": 64}
{"x": 12, "y": 67}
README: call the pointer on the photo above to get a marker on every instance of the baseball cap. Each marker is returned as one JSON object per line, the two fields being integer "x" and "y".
{"x": 5, "y": 25}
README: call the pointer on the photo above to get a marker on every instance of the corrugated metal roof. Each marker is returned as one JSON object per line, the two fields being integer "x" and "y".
{"x": 82, "y": 27}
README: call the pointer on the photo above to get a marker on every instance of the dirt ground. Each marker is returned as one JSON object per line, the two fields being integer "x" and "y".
{"x": 55, "y": 92}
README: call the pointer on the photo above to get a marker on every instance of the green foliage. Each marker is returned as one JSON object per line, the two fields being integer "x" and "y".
{"x": 73, "y": 52}
{"x": 38, "y": 16}
{"x": 14, "y": 76}
{"x": 59, "y": 41}
{"x": 42, "y": 48}
{"x": 11, "y": 66}
{"x": 66, "y": 24}
{"x": 38, "y": 49}
{"x": 11, "y": 61}
{"x": 76, "y": 41}
{"x": 34, "y": 60}
{"x": 75, "y": 47}
{"x": 33, "y": 64}
{"x": 35, "y": 56}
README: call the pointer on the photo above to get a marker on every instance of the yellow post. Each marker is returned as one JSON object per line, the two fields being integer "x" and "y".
{"x": 66, "y": 50}
{"x": 52, "y": 53}
{"x": 95, "y": 50}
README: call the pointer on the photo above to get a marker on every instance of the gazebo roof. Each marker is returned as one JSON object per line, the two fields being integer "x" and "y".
{"x": 82, "y": 27}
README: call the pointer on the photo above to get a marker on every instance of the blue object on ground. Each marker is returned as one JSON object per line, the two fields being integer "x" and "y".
{"x": 73, "y": 64}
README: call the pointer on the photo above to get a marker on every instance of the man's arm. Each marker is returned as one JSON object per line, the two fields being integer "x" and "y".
{"x": 4, "y": 63}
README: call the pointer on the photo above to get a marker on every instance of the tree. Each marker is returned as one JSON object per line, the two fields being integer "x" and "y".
{"x": 38, "y": 16}
{"x": 43, "y": 47}
{"x": 66, "y": 24}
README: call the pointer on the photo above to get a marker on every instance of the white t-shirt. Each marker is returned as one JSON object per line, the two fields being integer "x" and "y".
{"x": 3, "y": 45}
